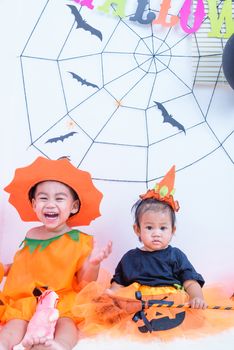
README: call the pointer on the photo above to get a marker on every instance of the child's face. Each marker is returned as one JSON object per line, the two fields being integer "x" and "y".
{"x": 53, "y": 203}
{"x": 155, "y": 231}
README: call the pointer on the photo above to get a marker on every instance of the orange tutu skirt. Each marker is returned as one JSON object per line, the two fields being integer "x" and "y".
{"x": 2, "y": 305}
{"x": 123, "y": 315}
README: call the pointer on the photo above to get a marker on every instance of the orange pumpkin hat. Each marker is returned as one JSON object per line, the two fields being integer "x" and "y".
{"x": 43, "y": 169}
{"x": 164, "y": 190}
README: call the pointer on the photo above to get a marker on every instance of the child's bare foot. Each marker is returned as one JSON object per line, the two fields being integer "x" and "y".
{"x": 31, "y": 341}
{"x": 52, "y": 345}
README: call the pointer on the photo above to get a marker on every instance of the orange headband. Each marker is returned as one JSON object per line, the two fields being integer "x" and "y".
{"x": 164, "y": 190}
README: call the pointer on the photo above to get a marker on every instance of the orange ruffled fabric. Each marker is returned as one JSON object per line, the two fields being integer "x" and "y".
{"x": 54, "y": 267}
{"x": 112, "y": 315}
{"x": 2, "y": 305}
{"x": 1, "y": 272}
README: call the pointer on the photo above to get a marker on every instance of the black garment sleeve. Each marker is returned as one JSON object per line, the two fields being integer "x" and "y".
{"x": 184, "y": 270}
{"x": 118, "y": 275}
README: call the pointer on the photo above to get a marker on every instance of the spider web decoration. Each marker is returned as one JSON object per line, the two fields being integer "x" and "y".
{"x": 98, "y": 97}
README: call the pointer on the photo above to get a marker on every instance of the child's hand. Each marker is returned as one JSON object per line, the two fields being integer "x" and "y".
{"x": 108, "y": 291}
{"x": 98, "y": 256}
{"x": 197, "y": 303}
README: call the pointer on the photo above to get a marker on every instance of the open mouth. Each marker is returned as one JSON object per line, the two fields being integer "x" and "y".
{"x": 51, "y": 215}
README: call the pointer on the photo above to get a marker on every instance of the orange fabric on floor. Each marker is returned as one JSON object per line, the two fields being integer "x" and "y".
{"x": 113, "y": 316}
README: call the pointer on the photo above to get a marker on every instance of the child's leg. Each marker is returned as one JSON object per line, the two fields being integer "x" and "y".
{"x": 65, "y": 338}
{"x": 66, "y": 333}
{"x": 12, "y": 333}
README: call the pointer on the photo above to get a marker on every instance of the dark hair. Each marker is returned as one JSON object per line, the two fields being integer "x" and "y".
{"x": 32, "y": 191}
{"x": 143, "y": 205}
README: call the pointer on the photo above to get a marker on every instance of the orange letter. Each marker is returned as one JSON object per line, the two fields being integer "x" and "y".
{"x": 165, "y": 6}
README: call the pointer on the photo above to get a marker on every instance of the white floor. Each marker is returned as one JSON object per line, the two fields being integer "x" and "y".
{"x": 224, "y": 340}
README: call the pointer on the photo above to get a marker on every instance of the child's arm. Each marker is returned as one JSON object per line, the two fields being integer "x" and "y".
{"x": 4, "y": 269}
{"x": 90, "y": 269}
{"x": 113, "y": 288}
{"x": 194, "y": 290}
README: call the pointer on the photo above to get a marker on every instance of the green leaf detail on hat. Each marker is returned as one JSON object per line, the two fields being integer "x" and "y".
{"x": 172, "y": 192}
{"x": 163, "y": 191}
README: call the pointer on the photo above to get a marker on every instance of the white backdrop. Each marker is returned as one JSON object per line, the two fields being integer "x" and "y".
{"x": 204, "y": 181}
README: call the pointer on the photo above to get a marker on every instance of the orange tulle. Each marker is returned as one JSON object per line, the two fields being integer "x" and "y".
{"x": 112, "y": 315}
{"x": 2, "y": 304}
{"x": 1, "y": 272}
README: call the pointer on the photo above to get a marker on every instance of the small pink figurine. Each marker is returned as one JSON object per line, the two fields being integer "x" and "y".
{"x": 42, "y": 323}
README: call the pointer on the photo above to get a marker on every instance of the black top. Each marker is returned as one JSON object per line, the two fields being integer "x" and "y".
{"x": 164, "y": 267}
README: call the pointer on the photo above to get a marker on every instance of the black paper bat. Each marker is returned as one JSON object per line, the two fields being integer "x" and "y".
{"x": 65, "y": 157}
{"x": 61, "y": 138}
{"x": 167, "y": 118}
{"x": 83, "y": 81}
{"x": 81, "y": 23}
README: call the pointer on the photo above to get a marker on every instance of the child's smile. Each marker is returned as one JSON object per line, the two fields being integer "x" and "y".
{"x": 53, "y": 204}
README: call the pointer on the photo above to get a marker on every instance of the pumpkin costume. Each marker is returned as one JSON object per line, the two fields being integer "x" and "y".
{"x": 152, "y": 284}
{"x": 54, "y": 267}
{"x": 51, "y": 263}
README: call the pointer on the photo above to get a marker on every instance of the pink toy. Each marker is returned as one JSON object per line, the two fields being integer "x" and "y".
{"x": 43, "y": 322}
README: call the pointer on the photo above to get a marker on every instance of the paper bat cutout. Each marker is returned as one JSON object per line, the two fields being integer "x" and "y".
{"x": 65, "y": 157}
{"x": 81, "y": 23}
{"x": 61, "y": 138}
{"x": 83, "y": 81}
{"x": 167, "y": 118}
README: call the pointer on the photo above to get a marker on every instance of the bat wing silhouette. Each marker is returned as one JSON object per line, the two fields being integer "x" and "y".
{"x": 81, "y": 23}
{"x": 61, "y": 138}
{"x": 167, "y": 118}
{"x": 83, "y": 81}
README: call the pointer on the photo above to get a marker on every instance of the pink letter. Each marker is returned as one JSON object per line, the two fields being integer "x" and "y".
{"x": 87, "y": 3}
{"x": 199, "y": 15}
